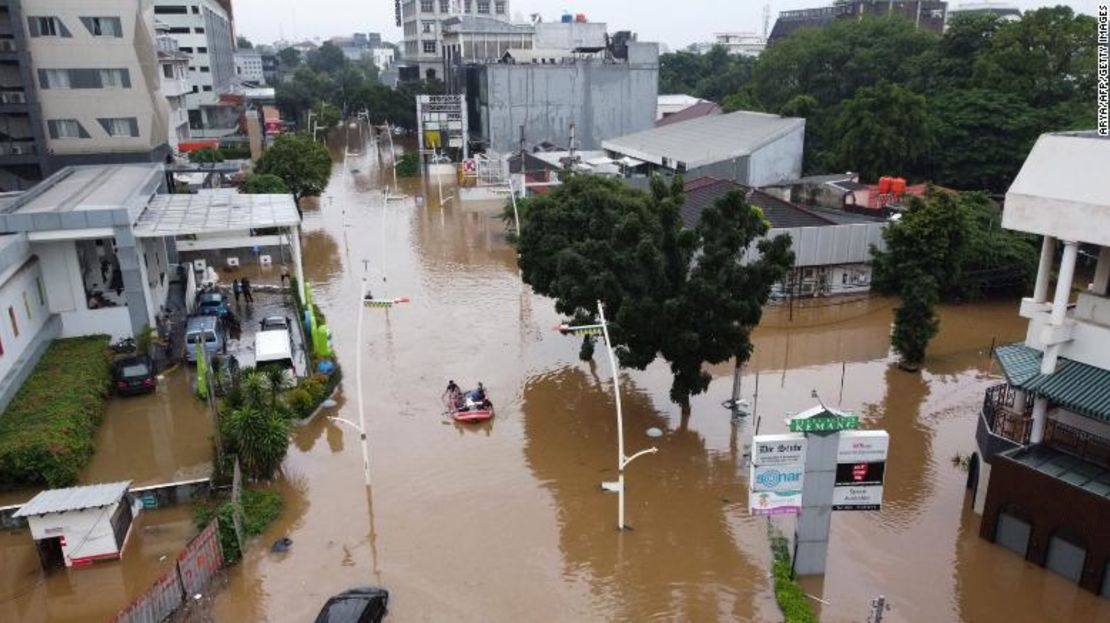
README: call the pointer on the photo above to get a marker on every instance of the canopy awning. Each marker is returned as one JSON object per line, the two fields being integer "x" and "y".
{"x": 1075, "y": 386}
{"x": 215, "y": 212}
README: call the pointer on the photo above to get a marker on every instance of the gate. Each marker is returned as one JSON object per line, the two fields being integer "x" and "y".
{"x": 1065, "y": 558}
{"x": 1013, "y": 534}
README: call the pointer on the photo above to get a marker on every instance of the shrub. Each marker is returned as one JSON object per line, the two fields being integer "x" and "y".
{"x": 791, "y": 598}
{"x": 260, "y": 508}
{"x": 301, "y": 402}
{"x": 260, "y": 438}
{"x": 46, "y": 433}
{"x": 408, "y": 165}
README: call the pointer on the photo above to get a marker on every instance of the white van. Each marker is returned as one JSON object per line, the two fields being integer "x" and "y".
{"x": 274, "y": 347}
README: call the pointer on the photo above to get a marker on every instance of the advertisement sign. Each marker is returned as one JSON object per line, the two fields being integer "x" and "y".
{"x": 863, "y": 446}
{"x": 772, "y": 503}
{"x": 824, "y": 424}
{"x": 851, "y": 498}
{"x": 778, "y": 449}
{"x": 860, "y": 474}
{"x": 779, "y": 478}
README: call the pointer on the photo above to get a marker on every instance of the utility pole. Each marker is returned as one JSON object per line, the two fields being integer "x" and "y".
{"x": 878, "y": 607}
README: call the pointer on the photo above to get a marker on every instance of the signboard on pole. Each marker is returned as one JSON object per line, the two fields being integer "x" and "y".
{"x": 777, "y": 474}
{"x": 860, "y": 470}
{"x": 823, "y": 420}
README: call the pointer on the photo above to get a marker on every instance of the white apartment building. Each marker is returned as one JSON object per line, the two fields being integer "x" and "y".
{"x": 174, "y": 67}
{"x": 203, "y": 30}
{"x": 95, "y": 69}
{"x": 737, "y": 43}
{"x": 422, "y": 21}
{"x": 248, "y": 67}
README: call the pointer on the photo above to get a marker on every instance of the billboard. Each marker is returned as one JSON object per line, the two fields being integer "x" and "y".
{"x": 849, "y": 498}
{"x": 778, "y": 449}
{"x": 860, "y": 470}
{"x": 777, "y": 474}
{"x": 772, "y": 503}
{"x": 778, "y": 478}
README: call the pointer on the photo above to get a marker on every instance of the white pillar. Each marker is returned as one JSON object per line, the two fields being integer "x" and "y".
{"x": 1102, "y": 273}
{"x": 298, "y": 262}
{"x": 1040, "y": 414}
{"x": 1044, "y": 270}
{"x": 1060, "y": 303}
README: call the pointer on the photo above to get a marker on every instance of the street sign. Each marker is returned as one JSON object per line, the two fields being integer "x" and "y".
{"x": 863, "y": 446}
{"x": 860, "y": 470}
{"x": 772, "y": 503}
{"x": 824, "y": 424}
{"x": 783, "y": 449}
{"x": 851, "y": 498}
{"x": 779, "y": 479}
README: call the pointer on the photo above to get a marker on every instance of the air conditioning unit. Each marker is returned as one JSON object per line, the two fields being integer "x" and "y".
{"x": 17, "y": 149}
{"x": 233, "y": 262}
{"x": 265, "y": 260}
{"x": 17, "y": 98}
{"x": 200, "y": 265}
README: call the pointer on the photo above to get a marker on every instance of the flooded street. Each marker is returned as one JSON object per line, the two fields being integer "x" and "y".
{"x": 506, "y": 522}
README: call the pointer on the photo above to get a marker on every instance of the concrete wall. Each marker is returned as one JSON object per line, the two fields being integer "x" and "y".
{"x": 778, "y": 161}
{"x": 560, "y": 36}
{"x": 135, "y": 51}
{"x": 604, "y": 100}
{"x": 66, "y": 295}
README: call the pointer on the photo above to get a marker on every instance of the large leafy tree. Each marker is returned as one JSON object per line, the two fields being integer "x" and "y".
{"x": 678, "y": 293}
{"x": 328, "y": 59}
{"x": 302, "y": 163}
{"x": 257, "y": 429}
{"x": 264, "y": 184}
{"x": 883, "y": 129}
{"x": 915, "y": 321}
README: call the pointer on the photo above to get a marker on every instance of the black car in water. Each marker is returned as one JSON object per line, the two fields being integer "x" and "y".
{"x": 133, "y": 375}
{"x": 358, "y": 605}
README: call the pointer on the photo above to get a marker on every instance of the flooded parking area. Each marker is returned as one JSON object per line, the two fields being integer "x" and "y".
{"x": 506, "y": 521}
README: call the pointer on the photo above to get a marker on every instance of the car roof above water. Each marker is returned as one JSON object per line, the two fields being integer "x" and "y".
{"x": 201, "y": 323}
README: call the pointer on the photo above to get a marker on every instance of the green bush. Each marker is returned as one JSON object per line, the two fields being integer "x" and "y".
{"x": 408, "y": 165}
{"x": 260, "y": 507}
{"x": 301, "y": 402}
{"x": 46, "y": 433}
{"x": 791, "y": 598}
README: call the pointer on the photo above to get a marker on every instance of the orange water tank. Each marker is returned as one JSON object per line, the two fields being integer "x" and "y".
{"x": 898, "y": 186}
{"x": 580, "y": 18}
{"x": 884, "y": 185}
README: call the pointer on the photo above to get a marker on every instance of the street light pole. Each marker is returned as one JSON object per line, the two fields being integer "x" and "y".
{"x": 361, "y": 425}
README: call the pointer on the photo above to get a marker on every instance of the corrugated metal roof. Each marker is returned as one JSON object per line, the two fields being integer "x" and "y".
{"x": 705, "y": 191}
{"x": 1075, "y": 386}
{"x": 705, "y": 140}
{"x": 74, "y": 499}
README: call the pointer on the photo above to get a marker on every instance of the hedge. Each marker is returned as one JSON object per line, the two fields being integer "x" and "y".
{"x": 791, "y": 598}
{"x": 46, "y": 433}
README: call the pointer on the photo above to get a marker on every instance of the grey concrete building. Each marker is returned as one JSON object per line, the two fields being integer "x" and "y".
{"x": 422, "y": 21}
{"x": 925, "y": 14}
{"x": 754, "y": 149}
{"x": 602, "y": 95}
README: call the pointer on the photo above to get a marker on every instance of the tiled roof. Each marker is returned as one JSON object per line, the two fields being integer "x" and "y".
{"x": 705, "y": 191}
{"x": 1075, "y": 386}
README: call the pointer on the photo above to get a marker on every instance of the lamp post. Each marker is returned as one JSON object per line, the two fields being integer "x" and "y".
{"x": 622, "y": 460}
{"x": 361, "y": 425}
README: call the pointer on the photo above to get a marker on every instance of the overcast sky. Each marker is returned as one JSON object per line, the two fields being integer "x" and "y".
{"x": 676, "y": 24}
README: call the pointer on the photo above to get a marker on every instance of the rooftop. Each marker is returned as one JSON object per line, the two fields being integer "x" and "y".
{"x": 700, "y": 109}
{"x": 486, "y": 25}
{"x": 211, "y": 212}
{"x": 1088, "y": 476}
{"x": 705, "y": 191}
{"x": 74, "y": 499}
{"x": 1075, "y": 386}
{"x": 705, "y": 140}
{"x": 98, "y": 187}
{"x": 1061, "y": 189}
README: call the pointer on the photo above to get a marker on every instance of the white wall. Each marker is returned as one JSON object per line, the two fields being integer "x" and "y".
{"x": 65, "y": 294}
{"x": 778, "y": 161}
{"x": 22, "y": 284}
{"x": 87, "y": 533}
{"x": 1090, "y": 343}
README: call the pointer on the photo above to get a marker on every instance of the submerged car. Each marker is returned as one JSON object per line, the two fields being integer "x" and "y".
{"x": 133, "y": 375}
{"x": 213, "y": 304}
{"x": 358, "y": 605}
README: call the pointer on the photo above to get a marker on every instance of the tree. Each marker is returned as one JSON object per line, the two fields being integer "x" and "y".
{"x": 883, "y": 129}
{"x": 915, "y": 321}
{"x": 327, "y": 58}
{"x": 206, "y": 156}
{"x": 264, "y": 184}
{"x": 243, "y": 43}
{"x": 257, "y": 430}
{"x": 302, "y": 163}
{"x": 668, "y": 291}
{"x": 289, "y": 57}
{"x": 982, "y": 137}
{"x": 408, "y": 165}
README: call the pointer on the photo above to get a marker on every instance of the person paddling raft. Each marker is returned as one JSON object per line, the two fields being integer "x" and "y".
{"x": 452, "y": 396}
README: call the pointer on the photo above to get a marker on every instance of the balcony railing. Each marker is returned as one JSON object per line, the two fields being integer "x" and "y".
{"x": 1080, "y": 443}
{"x": 26, "y": 148}
{"x": 1005, "y": 418}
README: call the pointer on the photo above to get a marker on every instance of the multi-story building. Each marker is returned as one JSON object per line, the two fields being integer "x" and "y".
{"x": 422, "y": 21}
{"x": 174, "y": 67}
{"x": 925, "y": 14}
{"x": 203, "y": 30}
{"x": 1041, "y": 473}
{"x": 249, "y": 67}
{"x": 737, "y": 43}
{"x": 93, "y": 74}
{"x": 23, "y": 153}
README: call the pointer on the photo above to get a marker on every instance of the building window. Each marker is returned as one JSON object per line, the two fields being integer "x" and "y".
{"x": 178, "y": 30}
{"x": 42, "y": 290}
{"x": 204, "y": 69}
{"x": 196, "y": 89}
{"x": 469, "y": 6}
{"x": 428, "y": 26}
{"x": 196, "y": 10}
{"x": 444, "y": 6}
{"x": 483, "y": 6}
{"x": 54, "y": 79}
{"x": 206, "y": 89}
{"x": 121, "y": 127}
{"x": 47, "y": 27}
{"x": 429, "y": 47}
{"x": 15, "y": 325}
{"x": 186, "y": 50}
{"x": 167, "y": 71}
{"x": 27, "y": 305}
{"x": 114, "y": 79}
{"x": 500, "y": 6}
{"x": 198, "y": 30}
{"x": 202, "y": 50}
{"x": 170, "y": 10}
{"x": 66, "y": 129}
{"x": 103, "y": 26}
{"x": 427, "y": 6}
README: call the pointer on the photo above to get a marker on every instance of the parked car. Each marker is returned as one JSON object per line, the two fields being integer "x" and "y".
{"x": 274, "y": 323}
{"x": 213, "y": 304}
{"x": 133, "y": 375}
{"x": 206, "y": 329}
{"x": 273, "y": 348}
{"x": 358, "y": 605}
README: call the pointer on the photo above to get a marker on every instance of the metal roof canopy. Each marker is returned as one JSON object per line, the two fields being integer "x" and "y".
{"x": 74, "y": 499}
{"x": 1075, "y": 386}
{"x": 215, "y": 212}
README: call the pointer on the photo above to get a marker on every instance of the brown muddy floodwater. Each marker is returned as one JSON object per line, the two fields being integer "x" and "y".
{"x": 505, "y": 522}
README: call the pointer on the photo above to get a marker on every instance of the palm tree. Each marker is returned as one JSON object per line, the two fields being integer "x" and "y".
{"x": 277, "y": 382}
